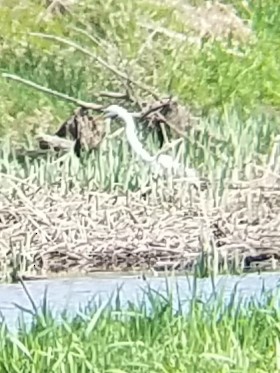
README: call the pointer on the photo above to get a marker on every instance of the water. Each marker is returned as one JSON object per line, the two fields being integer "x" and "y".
{"x": 75, "y": 293}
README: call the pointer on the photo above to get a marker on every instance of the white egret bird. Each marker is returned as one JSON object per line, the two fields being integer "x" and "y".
{"x": 159, "y": 163}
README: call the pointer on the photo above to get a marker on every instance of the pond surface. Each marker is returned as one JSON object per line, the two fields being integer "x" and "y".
{"x": 73, "y": 294}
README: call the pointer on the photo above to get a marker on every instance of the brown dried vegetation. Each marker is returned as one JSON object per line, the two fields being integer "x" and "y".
{"x": 44, "y": 232}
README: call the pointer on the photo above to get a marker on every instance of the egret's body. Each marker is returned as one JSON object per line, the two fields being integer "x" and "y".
{"x": 159, "y": 163}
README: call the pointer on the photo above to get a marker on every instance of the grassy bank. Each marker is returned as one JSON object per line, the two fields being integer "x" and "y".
{"x": 150, "y": 337}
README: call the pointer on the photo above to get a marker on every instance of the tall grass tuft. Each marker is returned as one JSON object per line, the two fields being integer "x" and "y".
{"x": 236, "y": 336}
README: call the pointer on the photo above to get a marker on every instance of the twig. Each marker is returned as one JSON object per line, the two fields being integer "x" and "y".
{"x": 169, "y": 146}
{"x": 179, "y": 132}
{"x": 88, "y": 35}
{"x": 29, "y": 296}
{"x": 55, "y": 141}
{"x": 105, "y": 47}
{"x": 117, "y": 133}
{"x": 156, "y": 106}
{"x": 113, "y": 69}
{"x": 113, "y": 95}
{"x": 80, "y": 103}
{"x": 273, "y": 159}
{"x": 17, "y": 180}
{"x": 171, "y": 34}
{"x": 87, "y": 105}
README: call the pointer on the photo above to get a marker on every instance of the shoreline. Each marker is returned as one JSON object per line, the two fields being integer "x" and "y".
{"x": 125, "y": 274}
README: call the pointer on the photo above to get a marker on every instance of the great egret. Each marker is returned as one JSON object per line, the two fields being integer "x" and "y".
{"x": 159, "y": 163}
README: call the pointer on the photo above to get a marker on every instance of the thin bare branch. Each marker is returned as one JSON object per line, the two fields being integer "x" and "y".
{"x": 48, "y": 141}
{"x": 113, "y": 69}
{"x": 113, "y": 95}
{"x": 87, "y": 105}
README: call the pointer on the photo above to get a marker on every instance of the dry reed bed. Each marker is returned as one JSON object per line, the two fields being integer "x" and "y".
{"x": 42, "y": 231}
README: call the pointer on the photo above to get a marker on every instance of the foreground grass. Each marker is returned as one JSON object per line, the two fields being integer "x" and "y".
{"x": 149, "y": 337}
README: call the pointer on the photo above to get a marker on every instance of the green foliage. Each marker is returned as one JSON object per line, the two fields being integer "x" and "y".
{"x": 150, "y": 337}
{"x": 208, "y": 77}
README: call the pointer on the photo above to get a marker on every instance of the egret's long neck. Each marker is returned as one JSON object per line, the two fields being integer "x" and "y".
{"x": 133, "y": 139}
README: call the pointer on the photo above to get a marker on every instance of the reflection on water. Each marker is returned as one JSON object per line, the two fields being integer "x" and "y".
{"x": 75, "y": 293}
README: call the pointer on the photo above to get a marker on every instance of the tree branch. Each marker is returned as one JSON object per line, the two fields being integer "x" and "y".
{"x": 113, "y": 69}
